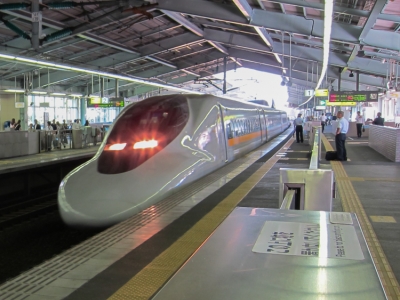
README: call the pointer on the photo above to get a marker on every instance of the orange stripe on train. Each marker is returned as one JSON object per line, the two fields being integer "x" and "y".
{"x": 244, "y": 138}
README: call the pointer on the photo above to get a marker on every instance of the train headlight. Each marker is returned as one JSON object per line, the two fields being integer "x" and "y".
{"x": 115, "y": 147}
{"x": 145, "y": 144}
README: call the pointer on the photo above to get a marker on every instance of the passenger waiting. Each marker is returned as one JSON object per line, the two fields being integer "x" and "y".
{"x": 37, "y": 125}
{"x": 12, "y": 123}
{"x": 17, "y": 125}
{"x": 379, "y": 120}
{"x": 31, "y": 128}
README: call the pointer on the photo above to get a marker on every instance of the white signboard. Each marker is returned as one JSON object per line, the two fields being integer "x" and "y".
{"x": 309, "y": 239}
{"x": 309, "y": 93}
{"x": 19, "y": 104}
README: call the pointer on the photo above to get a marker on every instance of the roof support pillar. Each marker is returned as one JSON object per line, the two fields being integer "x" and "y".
{"x": 36, "y": 24}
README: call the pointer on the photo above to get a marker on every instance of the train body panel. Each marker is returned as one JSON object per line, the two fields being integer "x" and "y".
{"x": 156, "y": 147}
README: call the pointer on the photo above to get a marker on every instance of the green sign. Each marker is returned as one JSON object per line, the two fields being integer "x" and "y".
{"x": 104, "y": 102}
{"x": 322, "y": 102}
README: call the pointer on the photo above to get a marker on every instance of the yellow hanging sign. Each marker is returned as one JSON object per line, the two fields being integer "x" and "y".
{"x": 341, "y": 103}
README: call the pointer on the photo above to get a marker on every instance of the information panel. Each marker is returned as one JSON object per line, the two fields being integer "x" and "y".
{"x": 104, "y": 102}
{"x": 353, "y": 96}
{"x": 309, "y": 240}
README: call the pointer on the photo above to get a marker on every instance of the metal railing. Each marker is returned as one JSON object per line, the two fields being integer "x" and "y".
{"x": 288, "y": 201}
{"x": 310, "y": 187}
{"x": 316, "y": 148}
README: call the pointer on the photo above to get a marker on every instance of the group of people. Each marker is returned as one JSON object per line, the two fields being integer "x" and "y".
{"x": 341, "y": 130}
{"x": 15, "y": 125}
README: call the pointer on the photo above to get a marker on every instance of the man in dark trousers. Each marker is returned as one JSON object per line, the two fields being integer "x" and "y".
{"x": 340, "y": 138}
{"x": 379, "y": 120}
{"x": 298, "y": 123}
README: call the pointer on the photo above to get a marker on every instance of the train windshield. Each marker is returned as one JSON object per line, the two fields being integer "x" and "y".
{"x": 143, "y": 130}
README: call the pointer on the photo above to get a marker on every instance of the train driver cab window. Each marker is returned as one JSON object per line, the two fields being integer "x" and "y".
{"x": 142, "y": 130}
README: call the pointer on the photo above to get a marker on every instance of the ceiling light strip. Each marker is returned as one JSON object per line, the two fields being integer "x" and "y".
{"x": 328, "y": 11}
{"x": 55, "y": 65}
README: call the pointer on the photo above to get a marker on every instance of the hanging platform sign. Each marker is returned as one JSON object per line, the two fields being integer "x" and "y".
{"x": 321, "y": 93}
{"x": 19, "y": 104}
{"x": 320, "y": 107}
{"x": 309, "y": 93}
{"x": 341, "y": 103}
{"x": 353, "y": 96}
{"x": 104, "y": 102}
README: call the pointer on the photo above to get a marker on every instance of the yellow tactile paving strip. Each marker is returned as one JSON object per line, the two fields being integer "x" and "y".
{"x": 351, "y": 203}
{"x": 148, "y": 281}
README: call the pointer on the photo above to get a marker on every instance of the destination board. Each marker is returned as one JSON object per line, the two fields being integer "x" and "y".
{"x": 353, "y": 96}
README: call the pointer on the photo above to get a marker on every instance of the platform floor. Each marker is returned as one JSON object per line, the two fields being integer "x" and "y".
{"x": 135, "y": 258}
{"x": 14, "y": 164}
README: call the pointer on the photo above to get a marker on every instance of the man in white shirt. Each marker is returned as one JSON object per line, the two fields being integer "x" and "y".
{"x": 298, "y": 123}
{"x": 359, "y": 124}
{"x": 340, "y": 138}
{"x": 323, "y": 121}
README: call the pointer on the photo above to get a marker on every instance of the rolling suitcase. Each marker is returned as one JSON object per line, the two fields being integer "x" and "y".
{"x": 331, "y": 155}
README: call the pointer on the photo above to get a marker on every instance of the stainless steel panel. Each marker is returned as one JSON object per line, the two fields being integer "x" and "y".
{"x": 318, "y": 186}
{"x": 225, "y": 267}
{"x": 77, "y": 138}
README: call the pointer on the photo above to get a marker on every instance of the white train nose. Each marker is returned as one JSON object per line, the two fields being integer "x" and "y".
{"x": 91, "y": 199}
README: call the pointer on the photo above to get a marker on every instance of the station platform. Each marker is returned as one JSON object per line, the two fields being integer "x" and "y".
{"x": 20, "y": 163}
{"x": 134, "y": 259}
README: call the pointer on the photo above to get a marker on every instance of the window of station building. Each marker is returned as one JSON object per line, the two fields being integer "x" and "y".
{"x": 101, "y": 115}
{"x": 56, "y": 108}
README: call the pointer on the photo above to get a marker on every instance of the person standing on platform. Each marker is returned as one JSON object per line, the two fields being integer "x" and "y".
{"x": 323, "y": 121}
{"x": 299, "y": 128}
{"x": 17, "y": 125}
{"x": 379, "y": 120}
{"x": 12, "y": 123}
{"x": 359, "y": 123}
{"x": 37, "y": 125}
{"x": 340, "y": 138}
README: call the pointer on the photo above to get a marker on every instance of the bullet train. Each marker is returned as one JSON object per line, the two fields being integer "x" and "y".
{"x": 157, "y": 146}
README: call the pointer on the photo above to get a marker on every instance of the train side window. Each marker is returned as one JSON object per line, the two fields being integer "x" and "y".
{"x": 228, "y": 131}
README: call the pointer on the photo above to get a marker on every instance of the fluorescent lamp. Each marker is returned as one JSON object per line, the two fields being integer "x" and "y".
{"x": 75, "y": 95}
{"x": 14, "y": 91}
{"x": 328, "y": 12}
{"x": 39, "y": 92}
{"x": 58, "y": 94}
{"x": 94, "y": 72}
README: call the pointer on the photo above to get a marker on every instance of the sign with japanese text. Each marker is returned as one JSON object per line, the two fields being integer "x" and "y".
{"x": 309, "y": 240}
{"x": 353, "y": 96}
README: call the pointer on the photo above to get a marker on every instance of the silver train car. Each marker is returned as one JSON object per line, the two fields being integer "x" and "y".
{"x": 157, "y": 146}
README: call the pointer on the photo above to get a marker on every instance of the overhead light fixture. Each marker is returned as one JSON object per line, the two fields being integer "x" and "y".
{"x": 351, "y": 74}
{"x": 75, "y": 95}
{"x": 58, "y": 94}
{"x": 58, "y": 66}
{"x": 14, "y": 91}
{"x": 38, "y": 92}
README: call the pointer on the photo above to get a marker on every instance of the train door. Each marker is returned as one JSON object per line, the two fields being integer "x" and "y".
{"x": 261, "y": 122}
{"x": 226, "y": 131}
{"x": 265, "y": 116}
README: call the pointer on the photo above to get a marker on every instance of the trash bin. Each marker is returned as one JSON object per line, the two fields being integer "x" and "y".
{"x": 76, "y": 138}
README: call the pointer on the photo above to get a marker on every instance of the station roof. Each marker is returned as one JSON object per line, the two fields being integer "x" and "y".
{"x": 178, "y": 42}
